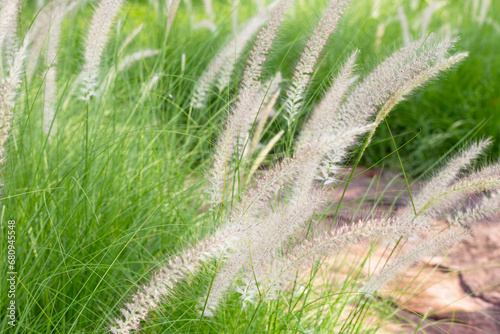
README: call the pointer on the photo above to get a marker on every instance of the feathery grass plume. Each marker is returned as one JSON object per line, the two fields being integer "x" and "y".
{"x": 40, "y": 32}
{"x": 281, "y": 272}
{"x": 8, "y": 31}
{"x": 426, "y": 248}
{"x": 291, "y": 172}
{"x": 322, "y": 122}
{"x": 488, "y": 208}
{"x": 392, "y": 74}
{"x": 415, "y": 82}
{"x": 255, "y": 251}
{"x": 160, "y": 287}
{"x": 56, "y": 12}
{"x": 390, "y": 83}
{"x": 309, "y": 58}
{"x": 321, "y": 119}
{"x": 256, "y": 200}
{"x": 450, "y": 172}
{"x": 97, "y": 38}
{"x": 273, "y": 279}
{"x": 381, "y": 90}
{"x": 8, "y": 18}
{"x": 486, "y": 179}
{"x": 282, "y": 223}
{"x": 255, "y": 248}
{"x": 242, "y": 115}
{"x": 331, "y": 145}
{"x": 222, "y": 65}
{"x": 10, "y": 43}
{"x": 262, "y": 243}
{"x": 250, "y": 85}
{"x": 9, "y": 85}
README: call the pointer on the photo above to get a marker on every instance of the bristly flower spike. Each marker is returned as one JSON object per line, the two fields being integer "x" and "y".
{"x": 97, "y": 38}
{"x": 241, "y": 116}
{"x": 309, "y": 58}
